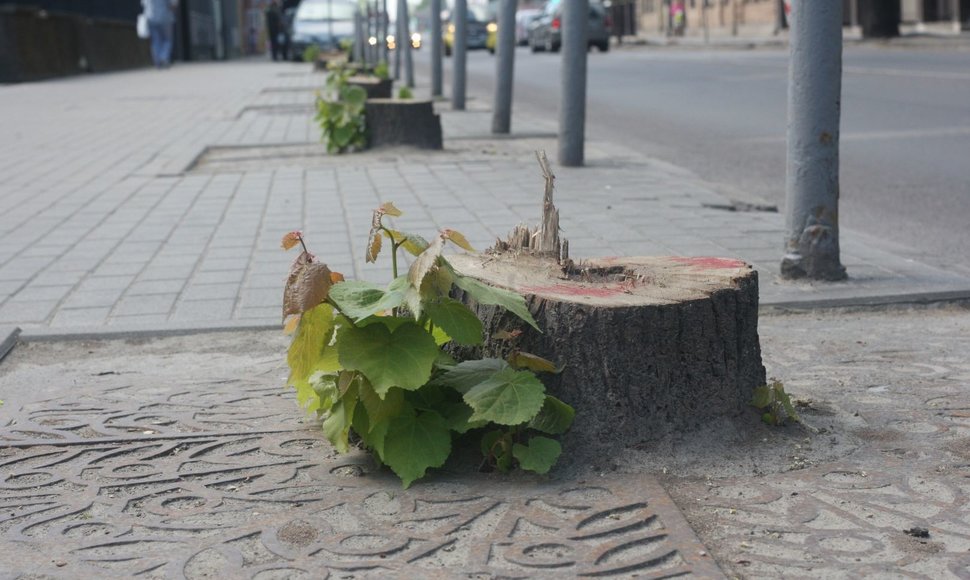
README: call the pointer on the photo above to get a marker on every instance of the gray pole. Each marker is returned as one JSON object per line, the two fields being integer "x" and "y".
{"x": 397, "y": 42}
{"x": 404, "y": 15}
{"x": 385, "y": 29}
{"x": 504, "y": 67}
{"x": 358, "y": 37}
{"x": 957, "y": 19}
{"x": 814, "y": 100}
{"x": 436, "y": 48}
{"x": 572, "y": 108}
{"x": 459, "y": 53}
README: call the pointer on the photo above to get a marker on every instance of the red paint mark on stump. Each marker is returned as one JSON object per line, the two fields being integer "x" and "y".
{"x": 714, "y": 263}
{"x": 568, "y": 290}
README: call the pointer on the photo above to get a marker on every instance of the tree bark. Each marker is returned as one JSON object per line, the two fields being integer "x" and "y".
{"x": 402, "y": 122}
{"x": 649, "y": 346}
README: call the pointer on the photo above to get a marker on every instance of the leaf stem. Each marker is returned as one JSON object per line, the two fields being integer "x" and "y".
{"x": 394, "y": 247}
{"x": 342, "y": 313}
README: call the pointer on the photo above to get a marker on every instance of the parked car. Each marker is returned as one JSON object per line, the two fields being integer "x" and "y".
{"x": 523, "y": 18}
{"x": 324, "y": 23}
{"x": 545, "y": 32}
{"x": 476, "y": 31}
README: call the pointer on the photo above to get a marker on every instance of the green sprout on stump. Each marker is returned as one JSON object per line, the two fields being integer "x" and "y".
{"x": 371, "y": 361}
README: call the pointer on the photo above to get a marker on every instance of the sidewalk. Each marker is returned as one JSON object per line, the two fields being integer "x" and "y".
{"x": 156, "y": 200}
{"x": 933, "y": 37}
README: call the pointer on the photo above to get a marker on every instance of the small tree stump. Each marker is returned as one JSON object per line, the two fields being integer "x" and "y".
{"x": 325, "y": 59}
{"x": 402, "y": 122}
{"x": 649, "y": 346}
{"x": 376, "y": 88}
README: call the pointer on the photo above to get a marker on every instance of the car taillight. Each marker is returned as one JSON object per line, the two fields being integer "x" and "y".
{"x": 555, "y": 24}
{"x": 608, "y": 21}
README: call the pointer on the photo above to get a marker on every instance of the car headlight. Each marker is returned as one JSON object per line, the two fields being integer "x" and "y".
{"x": 416, "y": 37}
{"x": 491, "y": 27}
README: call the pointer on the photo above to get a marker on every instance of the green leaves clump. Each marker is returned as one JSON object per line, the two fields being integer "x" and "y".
{"x": 368, "y": 359}
{"x": 311, "y": 53}
{"x": 776, "y": 405}
{"x": 341, "y": 116}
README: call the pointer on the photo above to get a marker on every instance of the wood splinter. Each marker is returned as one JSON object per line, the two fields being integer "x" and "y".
{"x": 544, "y": 239}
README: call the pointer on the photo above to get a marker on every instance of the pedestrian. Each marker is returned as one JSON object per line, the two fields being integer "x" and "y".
{"x": 274, "y": 30}
{"x": 679, "y": 15}
{"x": 161, "y": 22}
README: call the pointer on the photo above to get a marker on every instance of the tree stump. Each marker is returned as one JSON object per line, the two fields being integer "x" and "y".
{"x": 376, "y": 88}
{"x": 402, "y": 122}
{"x": 649, "y": 346}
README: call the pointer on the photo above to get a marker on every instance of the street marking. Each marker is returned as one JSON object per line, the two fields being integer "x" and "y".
{"x": 877, "y": 135}
{"x": 895, "y": 72}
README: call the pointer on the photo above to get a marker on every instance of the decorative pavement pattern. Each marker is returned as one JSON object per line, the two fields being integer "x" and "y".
{"x": 166, "y": 480}
{"x": 896, "y": 507}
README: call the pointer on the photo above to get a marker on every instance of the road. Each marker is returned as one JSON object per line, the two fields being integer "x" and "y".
{"x": 722, "y": 114}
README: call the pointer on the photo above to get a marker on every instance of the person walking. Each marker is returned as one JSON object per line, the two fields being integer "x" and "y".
{"x": 161, "y": 21}
{"x": 274, "y": 30}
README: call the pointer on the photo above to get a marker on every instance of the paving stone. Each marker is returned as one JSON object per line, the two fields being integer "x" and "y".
{"x": 160, "y": 304}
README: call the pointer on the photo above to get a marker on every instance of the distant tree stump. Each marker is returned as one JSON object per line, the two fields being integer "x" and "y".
{"x": 649, "y": 346}
{"x": 402, "y": 122}
{"x": 376, "y": 88}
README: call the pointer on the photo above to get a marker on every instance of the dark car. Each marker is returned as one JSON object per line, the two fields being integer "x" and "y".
{"x": 323, "y": 23}
{"x": 545, "y": 32}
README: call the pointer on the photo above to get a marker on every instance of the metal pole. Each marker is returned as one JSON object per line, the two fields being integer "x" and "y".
{"x": 397, "y": 42}
{"x": 405, "y": 43}
{"x": 572, "y": 109}
{"x": 957, "y": 19}
{"x": 504, "y": 67}
{"x": 812, "y": 185}
{"x": 460, "y": 55}
{"x": 704, "y": 23}
{"x": 358, "y": 37}
{"x": 385, "y": 30}
{"x": 436, "y": 48}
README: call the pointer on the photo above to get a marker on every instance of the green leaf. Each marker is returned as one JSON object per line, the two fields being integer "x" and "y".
{"x": 425, "y": 262}
{"x": 497, "y": 447}
{"x": 342, "y": 134}
{"x": 412, "y": 243}
{"x": 378, "y": 409}
{"x": 554, "y": 417}
{"x": 394, "y": 295}
{"x": 416, "y": 442}
{"x": 509, "y": 397}
{"x": 762, "y": 397}
{"x": 354, "y": 95}
{"x": 465, "y": 375}
{"x": 457, "y": 320}
{"x": 357, "y": 299}
{"x": 539, "y": 455}
{"x": 402, "y": 358}
{"x": 457, "y": 415}
{"x": 337, "y": 424}
{"x": 484, "y": 294}
{"x": 309, "y": 344}
{"x": 525, "y": 360}
{"x": 372, "y": 434}
{"x": 325, "y": 387}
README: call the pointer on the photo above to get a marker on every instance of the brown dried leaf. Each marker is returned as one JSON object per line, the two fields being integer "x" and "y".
{"x": 336, "y": 277}
{"x": 373, "y": 246}
{"x": 307, "y": 285}
{"x": 389, "y": 209}
{"x": 507, "y": 334}
{"x": 425, "y": 262}
{"x": 457, "y": 238}
{"x": 291, "y": 239}
{"x": 291, "y": 323}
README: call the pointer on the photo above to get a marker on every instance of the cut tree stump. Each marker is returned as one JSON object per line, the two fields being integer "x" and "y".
{"x": 649, "y": 346}
{"x": 402, "y": 122}
{"x": 376, "y": 88}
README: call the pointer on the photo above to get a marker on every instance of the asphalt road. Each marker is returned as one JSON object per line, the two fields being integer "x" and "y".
{"x": 722, "y": 114}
